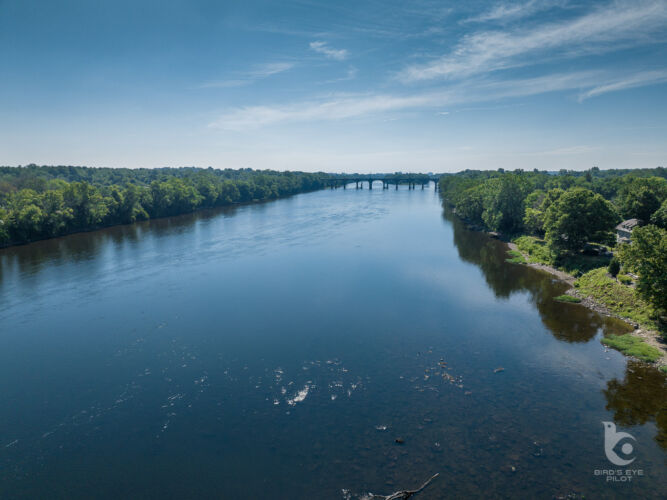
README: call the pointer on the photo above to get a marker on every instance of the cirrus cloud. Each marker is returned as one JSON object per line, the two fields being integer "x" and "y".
{"x": 322, "y": 48}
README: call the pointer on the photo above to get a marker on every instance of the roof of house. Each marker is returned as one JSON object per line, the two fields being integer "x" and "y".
{"x": 628, "y": 225}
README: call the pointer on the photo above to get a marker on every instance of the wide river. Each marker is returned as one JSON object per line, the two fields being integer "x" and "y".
{"x": 279, "y": 350}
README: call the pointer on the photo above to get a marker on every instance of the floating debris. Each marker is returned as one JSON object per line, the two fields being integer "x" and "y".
{"x": 381, "y": 428}
{"x": 499, "y": 369}
{"x": 399, "y": 440}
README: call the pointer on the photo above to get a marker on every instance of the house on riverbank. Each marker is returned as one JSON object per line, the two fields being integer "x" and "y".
{"x": 624, "y": 230}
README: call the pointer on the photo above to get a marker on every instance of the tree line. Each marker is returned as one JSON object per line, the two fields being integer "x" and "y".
{"x": 38, "y": 202}
{"x": 571, "y": 210}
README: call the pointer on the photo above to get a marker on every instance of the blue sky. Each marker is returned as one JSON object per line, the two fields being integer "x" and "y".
{"x": 358, "y": 86}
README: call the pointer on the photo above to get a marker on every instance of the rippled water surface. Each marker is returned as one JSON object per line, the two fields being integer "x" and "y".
{"x": 279, "y": 350}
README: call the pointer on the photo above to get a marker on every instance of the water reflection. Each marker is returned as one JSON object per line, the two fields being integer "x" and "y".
{"x": 34, "y": 258}
{"x": 639, "y": 398}
{"x": 206, "y": 354}
{"x": 567, "y": 322}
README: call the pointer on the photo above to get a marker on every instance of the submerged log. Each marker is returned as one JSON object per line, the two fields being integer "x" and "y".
{"x": 402, "y": 495}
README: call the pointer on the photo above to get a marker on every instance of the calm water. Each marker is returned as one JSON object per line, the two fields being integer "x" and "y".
{"x": 278, "y": 350}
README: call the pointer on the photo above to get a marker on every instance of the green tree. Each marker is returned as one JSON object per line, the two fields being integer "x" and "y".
{"x": 57, "y": 216}
{"x": 4, "y": 226}
{"x": 470, "y": 205}
{"x": 646, "y": 255}
{"x": 537, "y": 204}
{"x": 577, "y": 217}
{"x": 504, "y": 203}
{"x": 659, "y": 217}
{"x": 641, "y": 197}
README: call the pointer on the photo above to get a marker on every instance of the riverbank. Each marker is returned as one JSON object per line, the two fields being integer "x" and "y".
{"x": 596, "y": 291}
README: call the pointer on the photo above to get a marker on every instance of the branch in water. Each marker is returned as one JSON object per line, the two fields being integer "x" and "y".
{"x": 402, "y": 495}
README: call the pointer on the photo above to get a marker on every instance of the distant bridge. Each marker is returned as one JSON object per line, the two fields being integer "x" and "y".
{"x": 411, "y": 180}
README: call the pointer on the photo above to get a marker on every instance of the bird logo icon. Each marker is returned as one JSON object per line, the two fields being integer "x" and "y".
{"x": 611, "y": 439}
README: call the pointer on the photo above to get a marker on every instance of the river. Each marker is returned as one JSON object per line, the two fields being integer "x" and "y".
{"x": 280, "y": 350}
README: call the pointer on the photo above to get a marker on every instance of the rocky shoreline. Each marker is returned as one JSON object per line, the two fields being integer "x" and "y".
{"x": 651, "y": 337}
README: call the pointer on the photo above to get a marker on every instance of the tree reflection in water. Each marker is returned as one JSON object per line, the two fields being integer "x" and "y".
{"x": 567, "y": 322}
{"x": 639, "y": 398}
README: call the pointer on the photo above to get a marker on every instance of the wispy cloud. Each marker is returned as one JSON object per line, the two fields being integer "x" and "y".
{"x": 322, "y": 48}
{"x": 637, "y": 80}
{"x": 506, "y": 12}
{"x": 335, "y": 108}
{"x": 360, "y": 105}
{"x": 620, "y": 24}
{"x": 248, "y": 77}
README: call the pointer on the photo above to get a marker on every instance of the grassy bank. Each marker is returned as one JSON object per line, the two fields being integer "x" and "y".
{"x": 515, "y": 257}
{"x": 633, "y": 346}
{"x": 568, "y": 298}
{"x": 594, "y": 283}
{"x": 622, "y": 300}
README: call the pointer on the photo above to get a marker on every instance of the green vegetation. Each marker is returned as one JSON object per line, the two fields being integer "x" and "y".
{"x": 517, "y": 257}
{"x": 536, "y": 248}
{"x": 659, "y": 218}
{"x": 647, "y": 256}
{"x": 620, "y": 299}
{"x": 568, "y": 298}
{"x": 641, "y": 198}
{"x": 632, "y": 346}
{"x": 43, "y": 202}
{"x": 625, "y": 279}
{"x": 568, "y": 221}
{"x": 539, "y": 252}
{"x": 579, "y": 216}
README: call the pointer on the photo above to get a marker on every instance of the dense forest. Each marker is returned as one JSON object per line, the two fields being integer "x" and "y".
{"x": 571, "y": 214}
{"x": 38, "y": 202}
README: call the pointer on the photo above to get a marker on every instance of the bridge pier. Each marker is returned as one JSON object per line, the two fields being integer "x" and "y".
{"x": 357, "y": 183}
{"x": 370, "y": 184}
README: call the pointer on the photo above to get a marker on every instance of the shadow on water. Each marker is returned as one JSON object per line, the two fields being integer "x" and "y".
{"x": 567, "y": 322}
{"x": 639, "y": 398}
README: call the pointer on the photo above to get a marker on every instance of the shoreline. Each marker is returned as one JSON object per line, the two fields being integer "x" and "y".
{"x": 651, "y": 337}
{"x": 232, "y": 206}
